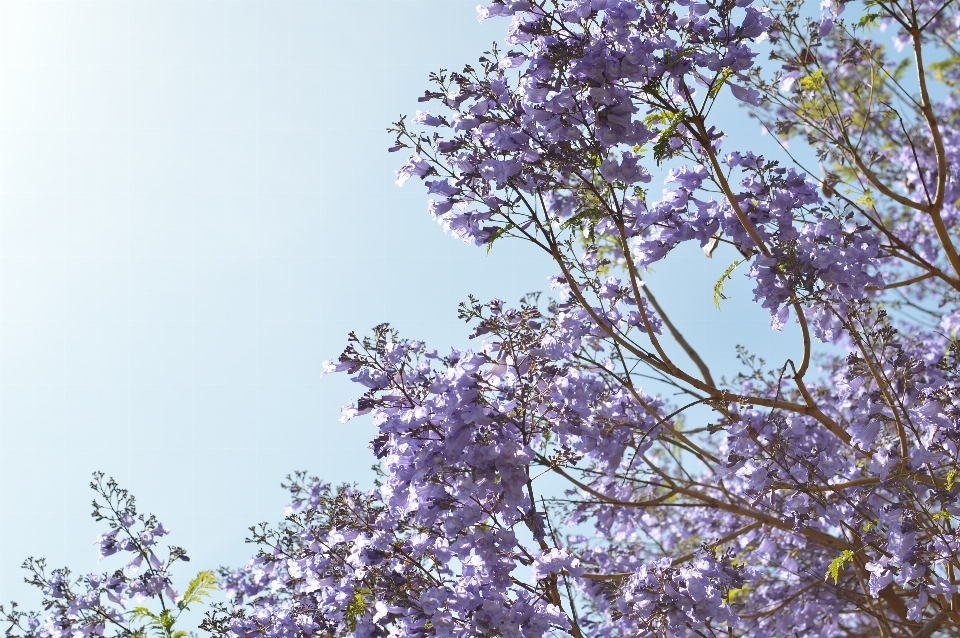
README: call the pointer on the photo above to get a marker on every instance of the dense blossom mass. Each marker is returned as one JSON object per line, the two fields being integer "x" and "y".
{"x": 539, "y": 484}
{"x": 814, "y": 502}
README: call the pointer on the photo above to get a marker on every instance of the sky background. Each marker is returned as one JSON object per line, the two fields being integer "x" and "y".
{"x": 196, "y": 207}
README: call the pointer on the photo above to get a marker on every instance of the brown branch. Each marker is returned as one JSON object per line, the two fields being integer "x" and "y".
{"x": 682, "y": 559}
{"x": 694, "y": 356}
{"x": 714, "y": 392}
{"x": 709, "y": 502}
{"x": 927, "y": 109}
{"x": 900, "y": 284}
{"x": 931, "y": 626}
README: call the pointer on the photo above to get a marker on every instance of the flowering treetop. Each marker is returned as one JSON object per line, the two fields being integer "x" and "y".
{"x": 816, "y": 501}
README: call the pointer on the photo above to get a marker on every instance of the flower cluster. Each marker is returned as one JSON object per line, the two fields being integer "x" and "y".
{"x": 563, "y": 105}
{"x": 118, "y": 603}
{"x": 439, "y": 543}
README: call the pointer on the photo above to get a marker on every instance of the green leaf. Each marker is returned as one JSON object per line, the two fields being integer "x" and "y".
{"x": 657, "y": 117}
{"x": 670, "y": 59}
{"x": 497, "y": 234}
{"x": 718, "y": 287}
{"x": 589, "y": 216}
{"x": 202, "y": 585}
{"x": 940, "y": 68}
{"x": 167, "y": 620}
{"x": 870, "y": 19}
{"x": 661, "y": 148}
{"x": 719, "y": 82}
{"x": 142, "y": 613}
{"x": 355, "y": 609}
{"x": 867, "y": 199}
{"x": 837, "y": 563}
{"x": 812, "y": 82}
{"x": 159, "y": 624}
{"x": 738, "y": 594}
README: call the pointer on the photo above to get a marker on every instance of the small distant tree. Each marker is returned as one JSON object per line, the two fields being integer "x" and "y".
{"x": 136, "y": 600}
{"x": 817, "y": 500}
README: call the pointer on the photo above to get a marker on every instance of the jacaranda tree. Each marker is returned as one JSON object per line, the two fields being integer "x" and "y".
{"x": 815, "y": 500}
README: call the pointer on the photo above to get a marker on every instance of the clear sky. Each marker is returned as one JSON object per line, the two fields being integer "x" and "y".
{"x": 196, "y": 207}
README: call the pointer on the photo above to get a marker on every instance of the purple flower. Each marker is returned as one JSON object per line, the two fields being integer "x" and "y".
{"x": 414, "y": 166}
{"x": 744, "y": 94}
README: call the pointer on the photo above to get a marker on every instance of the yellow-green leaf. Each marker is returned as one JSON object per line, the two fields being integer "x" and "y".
{"x": 837, "y": 564}
{"x": 812, "y": 82}
{"x": 718, "y": 287}
{"x": 355, "y": 609}
{"x": 202, "y": 585}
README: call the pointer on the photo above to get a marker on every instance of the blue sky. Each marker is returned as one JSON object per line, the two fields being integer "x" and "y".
{"x": 196, "y": 207}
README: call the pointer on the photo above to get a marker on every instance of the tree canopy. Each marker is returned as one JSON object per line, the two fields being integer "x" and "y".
{"x": 816, "y": 499}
